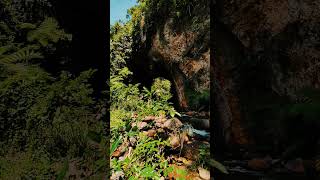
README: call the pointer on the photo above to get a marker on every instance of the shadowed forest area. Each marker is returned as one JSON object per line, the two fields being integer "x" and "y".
{"x": 52, "y": 93}
{"x": 265, "y": 88}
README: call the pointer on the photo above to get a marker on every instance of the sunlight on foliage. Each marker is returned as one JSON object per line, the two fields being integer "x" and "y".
{"x": 147, "y": 157}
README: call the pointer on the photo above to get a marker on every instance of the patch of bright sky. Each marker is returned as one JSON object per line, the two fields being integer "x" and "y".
{"x": 118, "y": 9}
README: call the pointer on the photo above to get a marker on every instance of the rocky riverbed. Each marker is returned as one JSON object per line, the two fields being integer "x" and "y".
{"x": 270, "y": 168}
{"x": 188, "y": 145}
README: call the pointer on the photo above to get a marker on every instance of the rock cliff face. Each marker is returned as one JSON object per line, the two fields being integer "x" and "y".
{"x": 180, "y": 45}
{"x": 263, "y": 51}
{"x": 186, "y": 59}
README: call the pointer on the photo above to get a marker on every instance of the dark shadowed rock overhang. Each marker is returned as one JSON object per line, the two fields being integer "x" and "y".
{"x": 264, "y": 51}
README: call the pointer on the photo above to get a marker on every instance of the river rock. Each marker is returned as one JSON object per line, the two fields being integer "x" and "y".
{"x": 141, "y": 125}
{"x": 204, "y": 174}
{"x": 151, "y": 133}
{"x": 259, "y": 164}
{"x": 191, "y": 150}
{"x": 177, "y": 122}
{"x": 149, "y": 118}
{"x": 133, "y": 124}
{"x": 203, "y": 114}
{"x": 117, "y": 175}
{"x": 122, "y": 158}
{"x": 295, "y": 166}
{"x": 160, "y": 130}
{"x": 160, "y": 119}
{"x": 132, "y": 141}
{"x": 160, "y": 125}
{"x": 190, "y": 113}
{"x": 167, "y": 124}
{"x": 174, "y": 141}
{"x": 173, "y": 123}
{"x": 185, "y": 137}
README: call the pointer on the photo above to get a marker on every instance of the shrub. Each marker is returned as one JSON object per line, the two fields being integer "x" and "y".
{"x": 45, "y": 119}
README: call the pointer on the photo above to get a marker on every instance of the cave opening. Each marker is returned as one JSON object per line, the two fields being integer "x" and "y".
{"x": 146, "y": 70}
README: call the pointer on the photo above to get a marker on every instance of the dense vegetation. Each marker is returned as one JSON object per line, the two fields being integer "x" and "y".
{"x": 129, "y": 104}
{"x": 134, "y": 153}
{"x": 50, "y": 123}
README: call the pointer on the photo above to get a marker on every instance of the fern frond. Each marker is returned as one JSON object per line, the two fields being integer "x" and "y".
{"x": 23, "y": 55}
{"x": 26, "y": 26}
{"x": 4, "y": 27}
{"x": 4, "y": 49}
{"x": 47, "y": 32}
{"x": 12, "y": 47}
{"x": 25, "y": 71}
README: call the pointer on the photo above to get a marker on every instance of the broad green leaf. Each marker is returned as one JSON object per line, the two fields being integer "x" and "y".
{"x": 115, "y": 145}
{"x": 148, "y": 172}
{"x": 218, "y": 165}
{"x": 64, "y": 171}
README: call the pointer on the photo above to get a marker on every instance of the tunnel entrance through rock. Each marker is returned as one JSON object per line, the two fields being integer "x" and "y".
{"x": 145, "y": 71}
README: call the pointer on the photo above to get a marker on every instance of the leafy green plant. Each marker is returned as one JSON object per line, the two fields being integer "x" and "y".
{"x": 203, "y": 160}
{"x": 198, "y": 99}
{"x": 63, "y": 172}
{"x": 48, "y": 31}
{"x": 218, "y": 165}
{"x": 25, "y": 165}
{"x": 44, "y": 118}
{"x": 120, "y": 47}
{"x": 24, "y": 55}
{"x": 115, "y": 145}
{"x": 147, "y": 159}
{"x": 181, "y": 173}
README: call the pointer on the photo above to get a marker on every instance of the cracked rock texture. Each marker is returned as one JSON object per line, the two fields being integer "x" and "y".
{"x": 263, "y": 50}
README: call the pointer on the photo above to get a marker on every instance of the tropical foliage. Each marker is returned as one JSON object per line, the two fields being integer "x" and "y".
{"x": 147, "y": 160}
{"x": 47, "y": 122}
{"x": 130, "y": 103}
